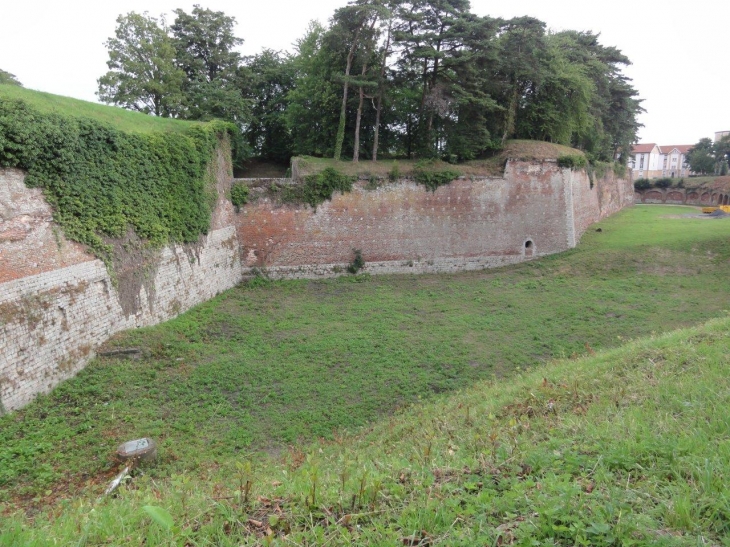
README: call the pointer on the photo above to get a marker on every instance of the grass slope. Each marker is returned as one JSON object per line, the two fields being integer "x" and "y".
{"x": 627, "y": 447}
{"x": 124, "y": 120}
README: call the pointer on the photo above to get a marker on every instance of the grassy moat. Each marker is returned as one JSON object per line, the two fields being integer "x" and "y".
{"x": 523, "y": 427}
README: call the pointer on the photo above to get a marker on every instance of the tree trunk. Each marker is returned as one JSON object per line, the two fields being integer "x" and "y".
{"x": 356, "y": 151}
{"x": 343, "y": 111}
{"x": 509, "y": 126}
{"x": 378, "y": 109}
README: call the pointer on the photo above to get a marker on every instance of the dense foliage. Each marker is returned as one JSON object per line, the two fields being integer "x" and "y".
{"x": 319, "y": 187}
{"x": 102, "y": 181}
{"x": 708, "y": 158}
{"x": 239, "y": 195}
{"x": 9, "y": 79}
{"x": 424, "y": 173}
{"x": 572, "y": 161}
{"x": 400, "y": 78}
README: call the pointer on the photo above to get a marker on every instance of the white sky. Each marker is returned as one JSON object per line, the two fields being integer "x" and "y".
{"x": 678, "y": 48}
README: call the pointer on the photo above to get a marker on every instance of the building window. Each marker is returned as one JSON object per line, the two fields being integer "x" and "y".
{"x": 641, "y": 161}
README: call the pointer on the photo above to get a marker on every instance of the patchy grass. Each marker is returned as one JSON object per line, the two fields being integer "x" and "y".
{"x": 627, "y": 447}
{"x": 492, "y": 167}
{"x": 277, "y": 364}
{"x": 124, "y": 120}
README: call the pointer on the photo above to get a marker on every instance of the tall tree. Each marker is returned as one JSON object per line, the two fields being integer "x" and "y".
{"x": 351, "y": 26}
{"x": 313, "y": 103}
{"x": 429, "y": 36}
{"x": 142, "y": 72}
{"x": 269, "y": 78}
{"x": 701, "y": 158}
{"x": 205, "y": 50}
{"x": 522, "y": 44}
{"x": 721, "y": 150}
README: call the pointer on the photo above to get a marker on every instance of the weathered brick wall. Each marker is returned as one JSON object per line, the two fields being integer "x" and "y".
{"x": 58, "y": 304}
{"x": 593, "y": 201}
{"x": 402, "y": 227}
{"x": 30, "y": 242}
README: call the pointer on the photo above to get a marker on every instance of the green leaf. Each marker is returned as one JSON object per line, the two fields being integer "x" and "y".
{"x": 159, "y": 515}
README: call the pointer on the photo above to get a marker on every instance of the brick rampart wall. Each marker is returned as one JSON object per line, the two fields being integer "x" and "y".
{"x": 58, "y": 304}
{"x": 403, "y": 228}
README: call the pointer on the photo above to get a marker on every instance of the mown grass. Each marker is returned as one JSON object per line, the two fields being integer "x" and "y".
{"x": 124, "y": 120}
{"x": 383, "y": 168}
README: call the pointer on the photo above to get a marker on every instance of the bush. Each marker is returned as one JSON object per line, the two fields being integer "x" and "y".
{"x": 319, "y": 187}
{"x": 358, "y": 262}
{"x": 239, "y": 195}
{"x": 663, "y": 183}
{"x": 642, "y": 184}
{"x": 572, "y": 161}
{"x": 426, "y": 174}
{"x": 620, "y": 169}
{"x": 394, "y": 173}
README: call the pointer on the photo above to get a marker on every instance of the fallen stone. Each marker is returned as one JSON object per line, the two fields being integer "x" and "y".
{"x": 134, "y": 353}
{"x": 139, "y": 450}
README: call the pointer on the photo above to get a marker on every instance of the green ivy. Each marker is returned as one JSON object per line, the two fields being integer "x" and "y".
{"x": 239, "y": 194}
{"x": 101, "y": 181}
{"x": 423, "y": 173}
{"x": 319, "y": 187}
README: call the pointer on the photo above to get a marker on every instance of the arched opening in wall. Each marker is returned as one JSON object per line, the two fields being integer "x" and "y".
{"x": 726, "y": 200}
{"x": 529, "y": 249}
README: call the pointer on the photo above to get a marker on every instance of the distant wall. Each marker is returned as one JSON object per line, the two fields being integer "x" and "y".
{"x": 685, "y": 196}
{"x": 535, "y": 209}
{"x": 58, "y": 304}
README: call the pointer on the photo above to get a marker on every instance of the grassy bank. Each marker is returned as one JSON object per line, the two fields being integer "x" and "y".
{"x": 124, "y": 120}
{"x": 627, "y": 447}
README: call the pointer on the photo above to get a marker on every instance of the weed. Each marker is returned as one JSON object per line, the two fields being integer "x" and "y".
{"x": 358, "y": 262}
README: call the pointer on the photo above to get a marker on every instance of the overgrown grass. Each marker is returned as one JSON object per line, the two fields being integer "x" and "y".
{"x": 248, "y": 369}
{"x": 628, "y": 447}
{"x": 124, "y": 120}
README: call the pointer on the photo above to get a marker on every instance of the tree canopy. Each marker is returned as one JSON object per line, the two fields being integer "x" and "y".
{"x": 395, "y": 78}
{"x": 707, "y": 158}
{"x": 9, "y": 79}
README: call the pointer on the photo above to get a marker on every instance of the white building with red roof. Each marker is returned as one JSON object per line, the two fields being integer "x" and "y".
{"x": 652, "y": 161}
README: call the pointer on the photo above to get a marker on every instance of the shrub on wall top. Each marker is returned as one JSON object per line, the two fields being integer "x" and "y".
{"x": 426, "y": 173}
{"x": 101, "y": 181}
{"x": 572, "y": 161}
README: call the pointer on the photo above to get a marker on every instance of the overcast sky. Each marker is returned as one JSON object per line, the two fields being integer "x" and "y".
{"x": 678, "y": 49}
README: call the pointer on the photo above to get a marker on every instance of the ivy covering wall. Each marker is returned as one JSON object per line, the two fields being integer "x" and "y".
{"x": 102, "y": 181}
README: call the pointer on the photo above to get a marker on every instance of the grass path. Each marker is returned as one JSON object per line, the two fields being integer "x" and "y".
{"x": 280, "y": 364}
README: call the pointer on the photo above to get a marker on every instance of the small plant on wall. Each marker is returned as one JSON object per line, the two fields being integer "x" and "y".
{"x": 358, "y": 262}
{"x": 239, "y": 195}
